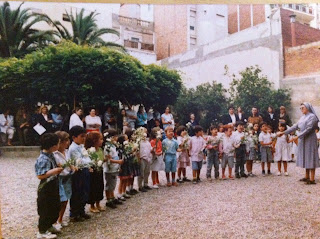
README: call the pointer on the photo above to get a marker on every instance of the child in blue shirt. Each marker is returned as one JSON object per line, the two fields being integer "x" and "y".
{"x": 48, "y": 201}
{"x": 170, "y": 148}
{"x": 81, "y": 178}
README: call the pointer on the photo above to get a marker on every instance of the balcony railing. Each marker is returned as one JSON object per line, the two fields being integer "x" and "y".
{"x": 134, "y": 22}
{"x": 296, "y": 7}
{"x": 139, "y": 45}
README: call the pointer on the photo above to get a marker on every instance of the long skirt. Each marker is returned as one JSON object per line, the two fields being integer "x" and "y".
{"x": 96, "y": 186}
{"x": 80, "y": 192}
{"x": 48, "y": 203}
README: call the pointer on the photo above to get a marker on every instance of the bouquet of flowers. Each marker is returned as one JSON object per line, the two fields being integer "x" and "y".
{"x": 185, "y": 142}
{"x": 96, "y": 163}
{"x": 213, "y": 142}
{"x": 188, "y": 125}
{"x": 69, "y": 163}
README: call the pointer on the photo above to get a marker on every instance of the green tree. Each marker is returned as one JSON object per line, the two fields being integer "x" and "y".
{"x": 85, "y": 30}
{"x": 17, "y": 35}
{"x": 254, "y": 89}
{"x": 207, "y": 101}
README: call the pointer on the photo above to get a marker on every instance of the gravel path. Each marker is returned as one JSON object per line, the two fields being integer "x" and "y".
{"x": 259, "y": 207}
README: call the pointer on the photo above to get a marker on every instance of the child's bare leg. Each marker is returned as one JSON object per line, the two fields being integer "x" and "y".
{"x": 168, "y": 177}
{"x": 157, "y": 178}
{"x": 312, "y": 172}
{"x": 230, "y": 171}
{"x": 173, "y": 175}
{"x": 62, "y": 210}
{"x": 279, "y": 167}
{"x": 262, "y": 166}
{"x": 223, "y": 172}
{"x": 194, "y": 174}
{"x": 307, "y": 174}
{"x": 184, "y": 172}
{"x": 120, "y": 186}
{"x": 285, "y": 166}
{"x": 269, "y": 166}
{"x": 179, "y": 172}
{"x": 198, "y": 173}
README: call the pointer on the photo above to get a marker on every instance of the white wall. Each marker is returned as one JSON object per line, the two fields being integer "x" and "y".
{"x": 260, "y": 45}
{"x": 143, "y": 56}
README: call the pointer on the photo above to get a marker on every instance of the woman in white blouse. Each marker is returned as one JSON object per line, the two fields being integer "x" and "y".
{"x": 93, "y": 122}
{"x": 167, "y": 119}
{"x": 75, "y": 118}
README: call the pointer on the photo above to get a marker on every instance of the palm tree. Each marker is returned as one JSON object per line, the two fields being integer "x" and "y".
{"x": 85, "y": 31}
{"x": 17, "y": 35}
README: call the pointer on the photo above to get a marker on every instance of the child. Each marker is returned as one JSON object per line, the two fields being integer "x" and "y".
{"x": 48, "y": 201}
{"x": 239, "y": 137}
{"x": 65, "y": 183}
{"x": 111, "y": 167}
{"x": 157, "y": 163}
{"x": 318, "y": 137}
{"x": 221, "y": 130}
{"x": 145, "y": 161}
{"x": 171, "y": 147}
{"x": 228, "y": 148}
{"x": 252, "y": 146}
{"x": 281, "y": 150}
{"x": 183, "y": 156}
{"x": 265, "y": 140}
{"x": 95, "y": 139}
{"x": 81, "y": 178}
{"x": 197, "y": 144}
{"x": 125, "y": 173}
{"x": 213, "y": 143}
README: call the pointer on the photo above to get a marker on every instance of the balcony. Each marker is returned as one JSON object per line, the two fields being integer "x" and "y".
{"x": 139, "y": 45}
{"x": 304, "y": 13}
{"x": 133, "y": 22}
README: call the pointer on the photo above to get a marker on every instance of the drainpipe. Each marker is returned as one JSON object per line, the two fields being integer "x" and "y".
{"x": 293, "y": 29}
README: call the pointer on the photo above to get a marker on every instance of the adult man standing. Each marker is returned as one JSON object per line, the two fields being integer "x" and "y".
{"x": 230, "y": 118}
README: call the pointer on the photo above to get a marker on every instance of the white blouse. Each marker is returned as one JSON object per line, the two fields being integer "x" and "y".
{"x": 62, "y": 159}
{"x": 75, "y": 120}
{"x": 91, "y": 121}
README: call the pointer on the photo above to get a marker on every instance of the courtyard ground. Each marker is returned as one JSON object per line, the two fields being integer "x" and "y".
{"x": 258, "y": 207}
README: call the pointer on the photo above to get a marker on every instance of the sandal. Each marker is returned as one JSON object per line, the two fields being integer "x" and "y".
{"x": 311, "y": 182}
{"x": 304, "y": 179}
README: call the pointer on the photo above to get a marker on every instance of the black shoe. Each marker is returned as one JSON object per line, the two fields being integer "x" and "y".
{"x": 85, "y": 216}
{"x": 130, "y": 193}
{"x": 77, "y": 219}
{"x": 263, "y": 173}
{"x": 147, "y": 187}
{"x": 238, "y": 176}
{"x": 244, "y": 175}
{"x": 134, "y": 191}
{"x": 186, "y": 180}
{"x": 269, "y": 172}
{"x": 123, "y": 199}
{"x": 143, "y": 190}
{"x": 180, "y": 181}
{"x": 198, "y": 180}
{"x": 194, "y": 181}
{"x": 111, "y": 204}
{"x": 117, "y": 202}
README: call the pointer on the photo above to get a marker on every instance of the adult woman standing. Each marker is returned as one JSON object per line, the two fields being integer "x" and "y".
{"x": 23, "y": 122}
{"x": 75, "y": 118}
{"x": 142, "y": 117}
{"x": 122, "y": 122}
{"x": 284, "y": 117}
{"x": 255, "y": 118}
{"x": 167, "y": 119}
{"x": 93, "y": 122}
{"x": 307, "y": 157}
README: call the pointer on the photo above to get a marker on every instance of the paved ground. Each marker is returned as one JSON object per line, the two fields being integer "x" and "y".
{"x": 259, "y": 207}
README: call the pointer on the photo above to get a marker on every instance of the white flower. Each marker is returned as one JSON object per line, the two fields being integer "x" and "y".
{"x": 78, "y": 162}
{"x": 100, "y": 162}
{"x": 144, "y": 135}
{"x": 105, "y": 134}
{"x": 85, "y": 152}
{"x": 125, "y": 143}
{"x": 250, "y": 125}
{"x": 135, "y": 145}
{"x": 92, "y": 150}
{"x": 109, "y": 140}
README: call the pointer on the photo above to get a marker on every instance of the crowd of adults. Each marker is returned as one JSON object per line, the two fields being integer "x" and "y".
{"x": 21, "y": 127}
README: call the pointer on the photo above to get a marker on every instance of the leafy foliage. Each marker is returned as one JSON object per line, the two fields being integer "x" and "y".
{"x": 17, "y": 35}
{"x": 254, "y": 89}
{"x": 208, "y": 102}
{"x": 93, "y": 76}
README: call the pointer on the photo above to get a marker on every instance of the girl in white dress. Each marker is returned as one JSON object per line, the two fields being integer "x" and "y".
{"x": 281, "y": 150}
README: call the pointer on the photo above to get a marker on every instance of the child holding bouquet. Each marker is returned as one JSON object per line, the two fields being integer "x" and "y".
{"x": 252, "y": 147}
{"x": 157, "y": 163}
{"x": 93, "y": 144}
{"x": 65, "y": 183}
{"x": 281, "y": 150}
{"x": 265, "y": 140}
{"x": 183, "y": 156}
{"x": 213, "y": 143}
{"x": 48, "y": 201}
{"x": 81, "y": 178}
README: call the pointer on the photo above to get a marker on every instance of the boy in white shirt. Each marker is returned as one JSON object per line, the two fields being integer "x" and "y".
{"x": 145, "y": 161}
{"x": 240, "y": 150}
{"x": 197, "y": 144}
{"x": 228, "y": 150}
{"x": 265, "y": 140}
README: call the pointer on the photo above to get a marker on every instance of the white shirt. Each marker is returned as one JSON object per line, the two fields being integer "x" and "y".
{"x": 228, "y": 145}
{"x": 75, "y": 121}
{"x": 265, "y": 138}
{"x": 233, "y": 118}
{"x": 197, "y": 144}
{"x": 145, "y": 150}
{"x": 3, "y": 121}
{"x": 91, "y": 121}
{"x": 167, "y": 118}
{"x": 237, "y": 136}
{"x": 62, "y": 159}
{"x": 113, "y": 167}
{"x": 271, "y": 115}
{"x": 240, "y": 116}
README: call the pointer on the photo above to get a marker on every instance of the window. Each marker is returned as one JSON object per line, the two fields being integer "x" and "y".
{"x": 65, "y": 17}
{"x": 193, "y": 41}
{"x": 192, "y": 28}
{"x": 192, "y": 13}
{"x": 135, "y": 39}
